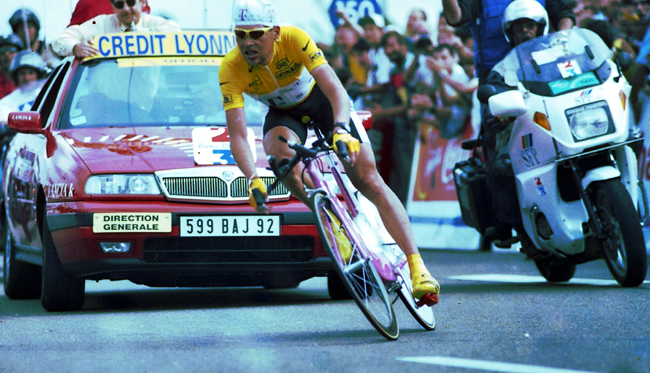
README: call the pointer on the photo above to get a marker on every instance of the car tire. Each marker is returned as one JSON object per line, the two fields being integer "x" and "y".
{"x": 60, "y": 291}
{"x": 335, "y": 287}
{"x": 21, "y": 280}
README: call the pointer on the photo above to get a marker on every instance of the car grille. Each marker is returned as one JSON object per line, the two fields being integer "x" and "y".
{"x": 215, "y": 187}
{"x": 287, "y": 249}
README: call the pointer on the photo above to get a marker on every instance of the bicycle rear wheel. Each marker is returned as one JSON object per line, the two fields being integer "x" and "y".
{"x": 357, "y": 274}
{"x": 371, "y": 227}
{"x": 423, "y": 315}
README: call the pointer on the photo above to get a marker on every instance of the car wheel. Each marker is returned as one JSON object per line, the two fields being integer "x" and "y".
{"x": 335, "y": 287}
{"x": 21, "y": 280}
{"x": 60, "y": 291}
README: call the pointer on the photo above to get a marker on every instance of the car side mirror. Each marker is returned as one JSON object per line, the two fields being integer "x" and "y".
{"x": 25, "y": 122}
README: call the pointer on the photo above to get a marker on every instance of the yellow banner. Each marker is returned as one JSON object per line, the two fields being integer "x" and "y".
{"x": 155, "y": 44}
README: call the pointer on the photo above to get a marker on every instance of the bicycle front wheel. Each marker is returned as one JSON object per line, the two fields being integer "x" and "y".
{"x": 357, "y": 273}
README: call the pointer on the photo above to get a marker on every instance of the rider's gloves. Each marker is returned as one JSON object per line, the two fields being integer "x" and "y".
{"x": 256, "y": 183}
{"x": 342, "y": 134}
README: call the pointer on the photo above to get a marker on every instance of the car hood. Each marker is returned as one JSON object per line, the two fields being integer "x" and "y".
{"x": 149, "y": 149}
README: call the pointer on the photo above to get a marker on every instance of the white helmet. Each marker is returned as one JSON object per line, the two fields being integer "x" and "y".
{"x": 253, "y": 12}
{"x": 27, "y": 58}
{"x": 520, "y": 9}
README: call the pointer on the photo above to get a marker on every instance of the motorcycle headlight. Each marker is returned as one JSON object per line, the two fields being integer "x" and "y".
{"x": 589, "y": 121}
{"x": 122, "y": 184}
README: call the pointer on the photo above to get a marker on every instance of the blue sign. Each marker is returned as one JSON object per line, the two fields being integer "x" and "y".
{"x": 355, "y": 10}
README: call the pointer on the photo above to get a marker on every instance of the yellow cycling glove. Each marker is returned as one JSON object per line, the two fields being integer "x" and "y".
{"x": 256, "y": 183}
{"x": 342, "y": 134}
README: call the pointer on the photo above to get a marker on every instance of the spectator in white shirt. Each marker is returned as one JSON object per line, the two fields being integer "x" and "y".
{"x": 127, "y": 17}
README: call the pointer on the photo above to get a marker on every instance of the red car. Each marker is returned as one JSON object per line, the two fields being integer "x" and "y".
{"x": 123, "y": 171}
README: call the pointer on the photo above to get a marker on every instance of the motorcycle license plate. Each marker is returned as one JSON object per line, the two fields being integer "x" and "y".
{"x": 230, "y": 225}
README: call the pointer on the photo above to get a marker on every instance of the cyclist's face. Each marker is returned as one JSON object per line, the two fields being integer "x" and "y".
{"x": 257, "y": 51}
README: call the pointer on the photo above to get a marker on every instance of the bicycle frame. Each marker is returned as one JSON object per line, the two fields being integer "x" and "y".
{"x": 382, "y": 263}
{"x": 389, "y": 270}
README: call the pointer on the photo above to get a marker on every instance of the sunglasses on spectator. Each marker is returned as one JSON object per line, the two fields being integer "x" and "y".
{"x": 120, "y": 4}
{"x": 8, "y": 49}
{"x": 254, "y": 34}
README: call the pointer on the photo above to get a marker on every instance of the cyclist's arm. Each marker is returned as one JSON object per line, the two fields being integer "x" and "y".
{"x": 239, "y": 147}
{"x": 331, "y": 86}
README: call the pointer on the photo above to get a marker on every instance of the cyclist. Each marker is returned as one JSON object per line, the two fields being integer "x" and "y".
{"x": 283, "y": 68}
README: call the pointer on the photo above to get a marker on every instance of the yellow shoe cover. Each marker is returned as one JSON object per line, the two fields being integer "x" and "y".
{"x": 342, "y": 241}
{"x": 423, "y": 284}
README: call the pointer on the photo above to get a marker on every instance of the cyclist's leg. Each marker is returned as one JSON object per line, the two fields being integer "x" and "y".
{"x": 277, "y": 124}
{"x": 366, "y": 179}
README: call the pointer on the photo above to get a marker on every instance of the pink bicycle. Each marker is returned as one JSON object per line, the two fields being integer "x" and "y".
{"x": 370, "y": 265}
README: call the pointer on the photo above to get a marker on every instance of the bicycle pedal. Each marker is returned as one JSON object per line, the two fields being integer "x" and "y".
{"x": 430, "y": 299}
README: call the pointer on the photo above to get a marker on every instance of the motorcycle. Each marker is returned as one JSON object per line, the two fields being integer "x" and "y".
{"x": 572, "y": 151}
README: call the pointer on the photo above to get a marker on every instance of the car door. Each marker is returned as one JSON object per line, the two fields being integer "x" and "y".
{"x": 21, "y": 182}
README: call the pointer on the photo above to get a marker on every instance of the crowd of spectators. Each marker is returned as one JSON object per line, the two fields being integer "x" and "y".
{"x": 414, "y": 80}
{"x": 415, "y": 83}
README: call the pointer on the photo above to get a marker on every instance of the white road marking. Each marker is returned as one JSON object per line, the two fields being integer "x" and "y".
{"x": 485, "y": 365}
{"x": 520, "y": 279}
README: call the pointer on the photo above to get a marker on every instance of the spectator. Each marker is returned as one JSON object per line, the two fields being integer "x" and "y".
{"x": 127, "y": 17}
{"x": 9, "y": 47}
{"x": 88, "y": 9}
{"x": 448, "y": 108}
{"x": 27, "y": 73}
{"x": 416, "y": 27}
{"x": 345, "y": 39}
{"x": 404, "y": 132}
{"x": 26, "y": 25}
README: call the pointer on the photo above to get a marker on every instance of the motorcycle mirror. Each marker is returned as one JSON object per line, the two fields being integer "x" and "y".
{"x": 485, "y": 92}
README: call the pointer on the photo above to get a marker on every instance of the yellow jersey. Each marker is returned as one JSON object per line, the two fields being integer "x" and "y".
{"x": 284, "y": 83}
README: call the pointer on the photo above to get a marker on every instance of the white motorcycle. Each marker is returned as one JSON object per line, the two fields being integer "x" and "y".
{"x": 571, "y": 150}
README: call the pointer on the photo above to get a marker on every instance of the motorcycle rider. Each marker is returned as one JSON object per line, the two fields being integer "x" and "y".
{"x": 523, "y": 20}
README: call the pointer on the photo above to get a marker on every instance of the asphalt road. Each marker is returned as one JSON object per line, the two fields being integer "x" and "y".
{"x": 496, "y": 314}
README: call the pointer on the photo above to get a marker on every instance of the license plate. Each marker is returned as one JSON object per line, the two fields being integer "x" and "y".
{"x": 231, "y": 225}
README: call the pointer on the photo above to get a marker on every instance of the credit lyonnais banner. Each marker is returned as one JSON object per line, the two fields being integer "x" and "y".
{"x": 150, "y": 44}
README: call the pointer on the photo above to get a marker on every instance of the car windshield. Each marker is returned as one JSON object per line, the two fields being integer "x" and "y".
{"x": 559, "y": 62}
{"x": 127, "y": 92}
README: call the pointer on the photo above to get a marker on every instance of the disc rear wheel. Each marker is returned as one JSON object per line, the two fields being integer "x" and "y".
{"x": 357, "y": 273}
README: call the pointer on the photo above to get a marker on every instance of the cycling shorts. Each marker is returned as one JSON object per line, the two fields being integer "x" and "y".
{"x": 315, "y": 111}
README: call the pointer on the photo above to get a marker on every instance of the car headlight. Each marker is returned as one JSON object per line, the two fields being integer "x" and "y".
{"x": 122, "y": 184}
{"x": 590, "y": 121}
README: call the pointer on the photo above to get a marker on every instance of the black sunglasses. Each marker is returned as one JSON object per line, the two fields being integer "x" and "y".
{"x": 120, "y": 4}
{"x": 254, "y": 34}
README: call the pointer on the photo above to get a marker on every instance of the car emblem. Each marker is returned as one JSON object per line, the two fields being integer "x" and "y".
{"x": 227, "y": 175}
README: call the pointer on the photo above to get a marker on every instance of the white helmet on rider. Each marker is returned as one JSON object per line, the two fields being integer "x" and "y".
{"x": 525, "y": 9}
{"x": 253, "y": 13}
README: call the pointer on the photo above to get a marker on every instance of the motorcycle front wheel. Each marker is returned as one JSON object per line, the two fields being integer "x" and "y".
{"x": 624, "y": 248}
